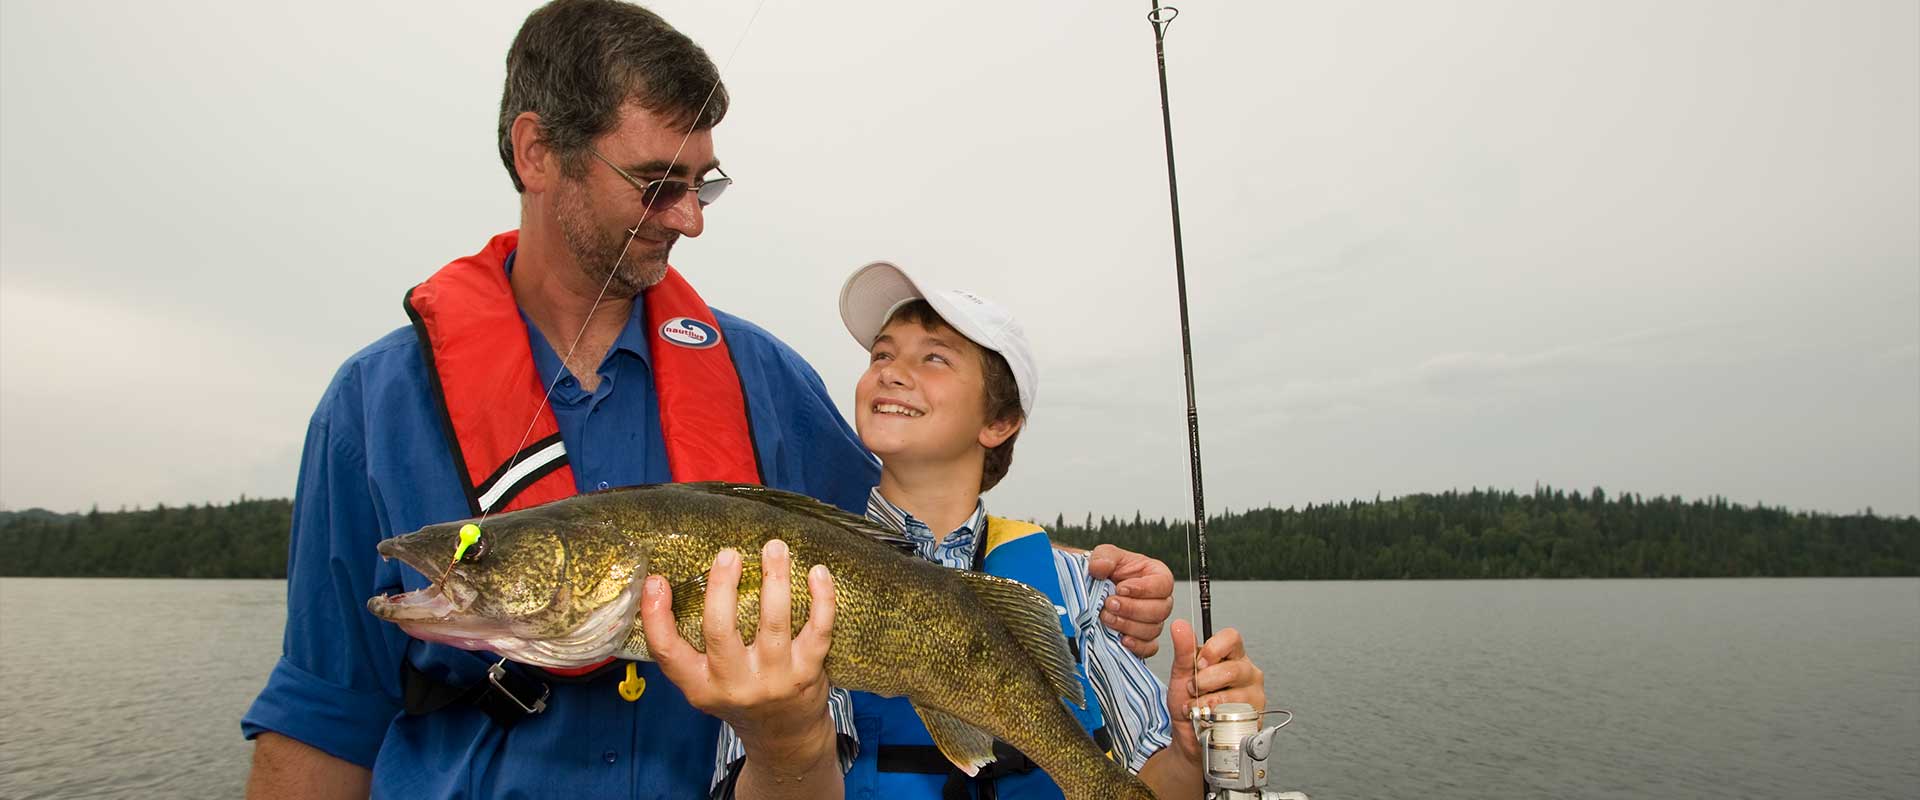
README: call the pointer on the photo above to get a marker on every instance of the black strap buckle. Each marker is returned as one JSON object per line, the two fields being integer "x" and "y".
{"x": 500, "y": 696}
{"x": 498, "y": 671}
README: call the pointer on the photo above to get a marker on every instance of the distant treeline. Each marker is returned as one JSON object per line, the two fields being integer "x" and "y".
{"x": 1548, "y": 533}
{"x": 242, "y": 539}
{"x": 1477, "y": 534}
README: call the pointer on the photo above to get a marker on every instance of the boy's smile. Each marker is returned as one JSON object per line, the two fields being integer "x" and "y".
{"x": 923, "y": 396}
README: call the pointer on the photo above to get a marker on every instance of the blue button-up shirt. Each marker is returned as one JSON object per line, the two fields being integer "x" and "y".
{"x": 376, "y": 464}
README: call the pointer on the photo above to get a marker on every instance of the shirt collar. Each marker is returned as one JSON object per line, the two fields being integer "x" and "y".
{"x": 962, "y": 539}
{"x": 632, "y": 338}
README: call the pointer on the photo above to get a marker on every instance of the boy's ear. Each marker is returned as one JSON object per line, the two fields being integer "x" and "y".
{"x": 998, "y": 432}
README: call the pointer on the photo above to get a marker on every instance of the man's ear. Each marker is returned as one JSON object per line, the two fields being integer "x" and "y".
{"x": 533, "y": 159}
{"x": 998, "y": 432}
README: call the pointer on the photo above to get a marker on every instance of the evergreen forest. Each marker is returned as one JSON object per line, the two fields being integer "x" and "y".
{"x": 1546, "y": 533}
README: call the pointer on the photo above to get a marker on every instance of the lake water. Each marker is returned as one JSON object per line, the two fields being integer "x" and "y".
{"x": 1419, "y": 690}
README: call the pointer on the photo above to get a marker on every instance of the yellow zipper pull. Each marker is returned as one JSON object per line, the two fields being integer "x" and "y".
{"x": 634, "y": 685}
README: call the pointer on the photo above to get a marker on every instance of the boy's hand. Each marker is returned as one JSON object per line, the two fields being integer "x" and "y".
{"x": 774, "y": 692}
{"x": 1224, "y": 675}
{"x": 1142, "y": 597}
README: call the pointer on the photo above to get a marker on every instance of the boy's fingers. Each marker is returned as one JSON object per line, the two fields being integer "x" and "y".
{"x": 817, "y": 637}
{"x": 663, "y": 641}
{"x": 776, "y": 599}
{"x": 719, "y": 623}
{"x": 1181, "y": 676}
{"x": 1225, "y": 645}
{"x": 1252, "y": 697}
{"x": 1230, "y": 675}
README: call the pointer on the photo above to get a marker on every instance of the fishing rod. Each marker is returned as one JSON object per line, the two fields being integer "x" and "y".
{"x": 1234, "y": 747}
{"x": 1162, "y": 17}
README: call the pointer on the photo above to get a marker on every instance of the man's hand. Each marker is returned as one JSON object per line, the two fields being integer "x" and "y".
{"x": 1221, "y": 674}
{"x": 774, "y": 692}
{"x": 1142, "y": 598}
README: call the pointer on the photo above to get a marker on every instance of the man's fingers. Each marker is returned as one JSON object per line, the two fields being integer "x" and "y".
{"x": 1144, "y": 648}
{"x": 1144, "y": 577}
{"x": 663, "y": 640}
{"x": 1127, "y": 564}
{"x": 720, "y": 622}
{"x": 776, "y": 599}
{"x": 816, "y": 638}
{"x": 1101, "y": 561}
{"x": 1146, "y": 611}
{"x": 1126, "y": 627}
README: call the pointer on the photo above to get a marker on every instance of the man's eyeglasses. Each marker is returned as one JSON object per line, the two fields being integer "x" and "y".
{"x": 664, "y": 193}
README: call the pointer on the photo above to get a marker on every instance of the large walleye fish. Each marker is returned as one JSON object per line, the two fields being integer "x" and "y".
{"x": 558, "y": 585}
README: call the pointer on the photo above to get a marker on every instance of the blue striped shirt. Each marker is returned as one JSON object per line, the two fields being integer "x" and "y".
{"x": 1132, "y": 698}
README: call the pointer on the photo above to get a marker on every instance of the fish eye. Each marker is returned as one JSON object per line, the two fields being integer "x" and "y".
{"x": 475, "y": 551}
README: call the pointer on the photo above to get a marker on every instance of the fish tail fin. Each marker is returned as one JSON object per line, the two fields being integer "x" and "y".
{"x": 1030, "y": 617}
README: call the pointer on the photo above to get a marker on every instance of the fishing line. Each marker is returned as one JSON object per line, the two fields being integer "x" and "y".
{"x": 632, "y": 233}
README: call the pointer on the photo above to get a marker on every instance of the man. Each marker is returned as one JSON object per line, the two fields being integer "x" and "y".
{"x": 535, "y": 369}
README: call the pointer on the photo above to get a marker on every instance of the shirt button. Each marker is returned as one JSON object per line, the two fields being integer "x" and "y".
{"x": 609, "y": 756}
{"x": 604, "y": 485}
{"x": 567, "y": 382}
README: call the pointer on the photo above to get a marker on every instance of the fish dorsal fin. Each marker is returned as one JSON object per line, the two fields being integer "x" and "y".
{"x": 968, "y": 747}
{"x": 1030, "y": 617}
{"x": 805, "y": 506}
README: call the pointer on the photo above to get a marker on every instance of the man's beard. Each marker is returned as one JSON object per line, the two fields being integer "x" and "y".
{"x": 597, "y": 251}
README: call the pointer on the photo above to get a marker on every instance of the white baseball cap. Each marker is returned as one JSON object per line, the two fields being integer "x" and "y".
{"x": 874, "y": 292}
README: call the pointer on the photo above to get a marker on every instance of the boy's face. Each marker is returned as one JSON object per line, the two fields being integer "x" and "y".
{"x": 923, "y": 397}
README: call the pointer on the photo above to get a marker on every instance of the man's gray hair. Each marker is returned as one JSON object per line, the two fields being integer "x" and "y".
{"x": 577, "y": 62}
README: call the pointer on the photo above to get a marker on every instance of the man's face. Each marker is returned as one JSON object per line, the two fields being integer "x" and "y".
{"x": 597, "y": 210}
{"x": 923, "y": 397}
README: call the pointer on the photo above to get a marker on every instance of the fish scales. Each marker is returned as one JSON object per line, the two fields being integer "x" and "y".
{"x": 903, "y": 626}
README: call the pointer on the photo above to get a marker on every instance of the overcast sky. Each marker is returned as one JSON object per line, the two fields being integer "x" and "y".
{"x": 1663, "y": 247}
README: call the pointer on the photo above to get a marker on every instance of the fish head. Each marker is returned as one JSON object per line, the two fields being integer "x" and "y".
{"x": 545, "y": 586}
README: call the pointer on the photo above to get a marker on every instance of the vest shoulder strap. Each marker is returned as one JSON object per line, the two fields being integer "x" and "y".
{"x": 1001, "y": 530}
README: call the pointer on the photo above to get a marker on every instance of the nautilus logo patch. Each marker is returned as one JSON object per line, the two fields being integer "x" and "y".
{"x": 689, "y": 332}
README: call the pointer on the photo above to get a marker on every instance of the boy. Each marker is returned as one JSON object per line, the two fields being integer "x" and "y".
{"x": 949, "y": 385}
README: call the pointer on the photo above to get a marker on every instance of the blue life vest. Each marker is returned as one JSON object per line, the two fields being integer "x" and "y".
{"x": 897, "y": 759}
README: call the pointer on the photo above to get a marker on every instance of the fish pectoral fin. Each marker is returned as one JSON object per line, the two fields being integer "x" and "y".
{"x": 690, "y": 596}
{"x": 968, "y": 747}
{"x": 1030, "y": 617}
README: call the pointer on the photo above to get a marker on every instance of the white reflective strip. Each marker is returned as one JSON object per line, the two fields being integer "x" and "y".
{"x": 521, "y": 470}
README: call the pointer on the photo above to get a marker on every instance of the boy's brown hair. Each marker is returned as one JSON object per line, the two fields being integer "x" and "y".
{"x": 1002, "y": 396}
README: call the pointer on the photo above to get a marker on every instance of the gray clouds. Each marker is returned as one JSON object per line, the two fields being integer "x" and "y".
{"x": 1656, "y": 247}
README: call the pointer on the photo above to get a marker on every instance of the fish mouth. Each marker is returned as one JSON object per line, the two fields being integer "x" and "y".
{"x": 439, "y": 601}
{"x": 434, "y": 603}
{"x": 443, "y": 612}
{"x": 442, "y": 604}
{"x": 431, "y": 615}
